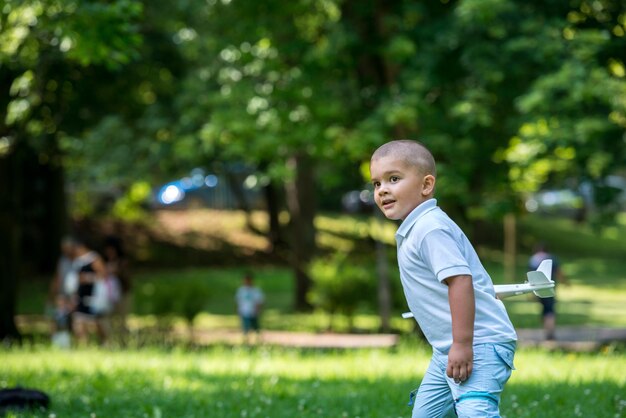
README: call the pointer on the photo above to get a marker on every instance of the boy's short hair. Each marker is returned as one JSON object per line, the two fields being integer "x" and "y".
{"x": 412, "y": 152}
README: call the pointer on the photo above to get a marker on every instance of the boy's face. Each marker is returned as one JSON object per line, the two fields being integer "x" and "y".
{"x": 398, "y": 187}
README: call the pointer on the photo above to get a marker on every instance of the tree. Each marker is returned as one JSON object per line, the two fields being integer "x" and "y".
{"x": 574, "y": 114}
{"x": 267, "y": 100}
{"x": 48, "y": 50}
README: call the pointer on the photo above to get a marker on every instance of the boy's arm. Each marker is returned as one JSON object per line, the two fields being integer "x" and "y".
{"x": 462, "y": 309}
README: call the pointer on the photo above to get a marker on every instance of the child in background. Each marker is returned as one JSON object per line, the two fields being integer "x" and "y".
{"x": 548, "y": 311}
{"x": 62, "y": 292}
{"x": 61, "y": 336}
{"x": 447, "y": 289}
{"x": 249, "y": 300}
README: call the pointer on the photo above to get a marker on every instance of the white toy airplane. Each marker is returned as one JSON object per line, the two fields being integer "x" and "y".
{"x": 539, "y": 282}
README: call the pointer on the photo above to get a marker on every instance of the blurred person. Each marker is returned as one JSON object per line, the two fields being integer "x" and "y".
{"x": 117, "y": 272}
{"x": 65, "y": 280}
{"x": 249, "y": 300}
{"x": 548, "y": 312}
{"x": 63, "y": 287}
{"x": 61, "y": 336}
{"x": 89, "y": 311}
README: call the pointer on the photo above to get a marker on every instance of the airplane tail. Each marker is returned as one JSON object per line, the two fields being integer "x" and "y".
{"x": 542, "y": 277}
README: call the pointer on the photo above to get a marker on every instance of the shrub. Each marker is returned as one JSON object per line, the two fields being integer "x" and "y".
{"x": 167, "y": 300}
{"x": 341, "y": 286}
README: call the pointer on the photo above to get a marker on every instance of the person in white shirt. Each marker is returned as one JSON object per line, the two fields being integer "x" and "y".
{"x": 447, "y": 289}
{"x": 249, "y": 299}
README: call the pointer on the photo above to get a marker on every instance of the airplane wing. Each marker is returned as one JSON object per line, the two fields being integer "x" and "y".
{"x": 539, "y": 282}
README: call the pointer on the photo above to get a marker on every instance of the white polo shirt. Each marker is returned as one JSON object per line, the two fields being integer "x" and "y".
{"x": 431, "y": 248}
{"x": 248, "y": 299}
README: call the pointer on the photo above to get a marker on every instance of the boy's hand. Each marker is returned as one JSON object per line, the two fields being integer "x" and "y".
{"x": 460, "y": 362}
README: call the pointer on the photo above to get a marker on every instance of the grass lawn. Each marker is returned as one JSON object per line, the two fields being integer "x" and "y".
{"x": 273, "y": 382}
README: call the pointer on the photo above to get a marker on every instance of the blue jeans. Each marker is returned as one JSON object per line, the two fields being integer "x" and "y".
{"x": 479, "y": 396}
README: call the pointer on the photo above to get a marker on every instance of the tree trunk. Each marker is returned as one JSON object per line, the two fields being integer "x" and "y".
{"x": 272, "y": 201}
{"x": 301, "y": 202}
{"x": 56, "y": 222}
{"x": 43, "y": 208}
{"x": 10, "y": 182}
{"x": 236, "y": 186}
{"x": 33, "y": 218}
{"x": 510, "y": 244}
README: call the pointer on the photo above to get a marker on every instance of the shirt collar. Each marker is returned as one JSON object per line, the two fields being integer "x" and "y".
{"x": 412, "y": 218}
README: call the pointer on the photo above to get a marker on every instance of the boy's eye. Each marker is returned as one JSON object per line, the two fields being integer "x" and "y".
{"x": 376, "y": 183}
{"x": 394, "y": 179}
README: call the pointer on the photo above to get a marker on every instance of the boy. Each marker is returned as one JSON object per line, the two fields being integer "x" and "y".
{"x": 61, "y": 337}
{"x": 447, "y": 290}
{"x": 548, "y": 313}
{"x": 249, "y": 301}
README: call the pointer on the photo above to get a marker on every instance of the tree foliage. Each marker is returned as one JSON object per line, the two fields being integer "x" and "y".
{"x": 508, "y": 94}
{"x": 573, "y": 115}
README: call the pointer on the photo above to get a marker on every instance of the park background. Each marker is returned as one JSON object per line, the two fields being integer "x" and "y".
{"x": 224, "y": 136}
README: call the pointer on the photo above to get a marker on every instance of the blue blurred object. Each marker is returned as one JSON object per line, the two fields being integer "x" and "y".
{"x": 171, "y": 193}
{"x": 212, "y": 190}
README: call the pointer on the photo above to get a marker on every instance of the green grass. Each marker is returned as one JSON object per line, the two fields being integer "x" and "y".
{"x": 274, "y": 382}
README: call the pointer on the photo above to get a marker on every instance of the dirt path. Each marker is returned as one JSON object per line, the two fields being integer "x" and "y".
{"x": 584, "y": 339}
{"x": 587, "y": 339}
{"x": 301, "y": 339}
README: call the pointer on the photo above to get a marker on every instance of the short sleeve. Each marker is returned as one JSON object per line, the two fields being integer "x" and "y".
{"x": 442, "y": 255}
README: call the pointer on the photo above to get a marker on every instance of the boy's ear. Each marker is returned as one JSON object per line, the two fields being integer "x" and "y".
{"x": 428, "y": 184}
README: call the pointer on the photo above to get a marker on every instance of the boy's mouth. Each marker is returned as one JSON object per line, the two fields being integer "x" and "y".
{"x": 387, "y": 203}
